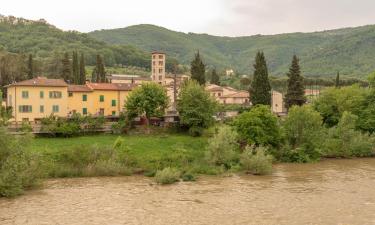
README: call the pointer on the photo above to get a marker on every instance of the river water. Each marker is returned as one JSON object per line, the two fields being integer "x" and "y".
{"x": 329, "y": 192}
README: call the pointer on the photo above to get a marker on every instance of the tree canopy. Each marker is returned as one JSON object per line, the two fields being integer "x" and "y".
{"x": 260, "y": 90}
{"x": 198, "y": 69}
{"x": 295, "y": 94}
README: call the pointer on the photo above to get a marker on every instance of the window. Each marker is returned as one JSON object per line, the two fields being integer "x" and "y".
{"x": 84, "y": 111}
{"x": 154, "y": 56}
{"x": 153, "y": 63}
{"x": 160, "y": 77}
{"x": 41, "y": 94}
{"x": 160, "y": 63}
{"x": 113, "y": 102}
{"x": 70, "y": 94}
{"x": 55, "y": 108}
{"x": 160, "y": 70}
{"x": 25, "y": 94}
{"x": 25, "y": 108}
{"x": 101, "y": 111}
{"x": 101, "y": 98}
{"x": 219, "y": 94}
{"x": 84, "y": 98}
{"x": 113, "y": 113}
{"x": 55, "y": 94}
{"x": 41, "y": 108}
{"x": 160, "y": 56}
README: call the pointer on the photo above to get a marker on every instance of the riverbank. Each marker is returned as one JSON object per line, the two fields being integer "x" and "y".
{"x": 327, "y": 192}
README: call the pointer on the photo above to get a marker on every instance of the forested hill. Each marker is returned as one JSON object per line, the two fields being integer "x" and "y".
{"x": 350, "y": 51}
{"x": 48, "y": 43}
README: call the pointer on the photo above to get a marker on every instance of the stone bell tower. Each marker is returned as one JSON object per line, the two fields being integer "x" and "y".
{"x": 158, "y": 67}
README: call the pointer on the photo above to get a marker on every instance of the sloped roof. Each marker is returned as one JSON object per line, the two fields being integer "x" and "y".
{"x": 238, "y": 94}
{"x": 79, "y": 88}
{"x": 41, "y": 82}
{"x": 111, "y": 86}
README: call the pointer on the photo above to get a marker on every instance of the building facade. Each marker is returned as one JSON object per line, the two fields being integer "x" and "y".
{"x": 32, "y": 100}
{"x": 158, "y": 67}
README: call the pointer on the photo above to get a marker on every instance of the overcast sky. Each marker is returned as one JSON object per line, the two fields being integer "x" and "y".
{"x": 217, "y": 17}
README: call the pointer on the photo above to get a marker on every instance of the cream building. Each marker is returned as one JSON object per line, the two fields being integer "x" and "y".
{"x": 32, "y": 100}
{"x": 228, "y": 95}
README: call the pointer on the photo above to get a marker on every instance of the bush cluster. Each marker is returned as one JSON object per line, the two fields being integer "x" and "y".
{"x": 167, "y": 176}
{"x": 256, "y": 161}
{"x": 19, "y": 168}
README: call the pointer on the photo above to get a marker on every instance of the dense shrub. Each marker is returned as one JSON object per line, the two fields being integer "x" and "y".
{"x": 303, "y": 133}
{"x": 221, "y": 149}
{"x": 258, "y": 126}
{"x": 256, "y": 161}
{"x": 88, "y": 161}
{"x": 19, "y": 169}
{"x": 196, "y": 107}
{"x": 167, "y": 176}
{"x": 344, "y": 141}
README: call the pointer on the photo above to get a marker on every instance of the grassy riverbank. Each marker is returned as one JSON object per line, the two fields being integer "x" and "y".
{"x": 135, "y": 154}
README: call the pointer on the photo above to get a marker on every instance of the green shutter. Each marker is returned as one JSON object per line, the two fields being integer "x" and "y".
{"x": 55, "y": 108}
{"x": 101, "y": 98}
{"x": 113, "y": 113}
{"x": 113, "y": 102}
{"x": 84, "y": 98}
{"x": 41, "y": 108}
{"x": 41, "y": 94}
{"x": 84, "y": 111}
{"x": 25, "y": 94}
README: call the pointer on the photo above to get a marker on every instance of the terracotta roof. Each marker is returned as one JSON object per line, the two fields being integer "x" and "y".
{"x": 79, "y": 88}
{"x": 41, "y": 82}
{"x": 111, "y": 86}
{"x": 127, "y": 78}
{"x": 239, "y": 94}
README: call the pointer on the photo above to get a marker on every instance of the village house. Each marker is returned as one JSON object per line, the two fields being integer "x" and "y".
{"x": 32, "y": 100}
{"x": 228, "y": 95}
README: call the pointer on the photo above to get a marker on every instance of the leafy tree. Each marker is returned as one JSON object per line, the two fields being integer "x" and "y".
{"x": 76, "y": 78}
{"x": 198, "y": 69}
{"x": 303, "y": 132}
{"x": 260, "y": 90}
{"x": 82, "y": 70}
{"x": 149, "y": 100}
{"x": 366, "y": 110}
{"x": 5, "y": 113}
{"x": 295, "y": 94}
{"x": 215, "y": 79}
{"x": 337, "y": 83}
{"x": 30, "y": 67}
{"x": 258, "y": 126}
{"x": 66, "y": 68}
{"x": 196, "y": 107}
{"x": 333, "y": 102}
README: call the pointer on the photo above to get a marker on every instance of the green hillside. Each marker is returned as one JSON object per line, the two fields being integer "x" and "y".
{"x": 350, "y": 51}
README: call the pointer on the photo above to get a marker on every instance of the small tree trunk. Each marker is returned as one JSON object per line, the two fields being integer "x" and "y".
{"x": 147, "y": 125}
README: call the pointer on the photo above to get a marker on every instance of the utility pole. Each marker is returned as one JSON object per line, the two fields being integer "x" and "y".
{"x": 175, "y": 88}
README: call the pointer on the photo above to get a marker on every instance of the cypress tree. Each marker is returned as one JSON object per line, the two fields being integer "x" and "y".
{"x": 198, "y": 69}
{"x": 98, "y": 74}
{"x": 76, "y": 78}
{"x": 66, "y": 68}
{"x": 82, "y": 70}
{"x": 338, "y": 80}
{"x": 260, "y": 89}
{"x": 296, "y": 92}
{"x": 215, "y": 79}
{"x": 30, "y": 67}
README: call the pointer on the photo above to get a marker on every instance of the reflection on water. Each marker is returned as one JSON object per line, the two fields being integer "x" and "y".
{"x": 329, "y": 192}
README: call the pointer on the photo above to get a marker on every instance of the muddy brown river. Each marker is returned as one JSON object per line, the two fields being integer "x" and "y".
{"x": 329, "y": 192}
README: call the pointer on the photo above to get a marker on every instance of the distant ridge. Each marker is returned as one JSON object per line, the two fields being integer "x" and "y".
{"x": 348, "y": 50}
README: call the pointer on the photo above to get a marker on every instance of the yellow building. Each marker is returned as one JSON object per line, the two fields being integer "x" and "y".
{"x": 105, "y": 99}
{"x": 228, "y": 95}
{"x": 32, "y": 100}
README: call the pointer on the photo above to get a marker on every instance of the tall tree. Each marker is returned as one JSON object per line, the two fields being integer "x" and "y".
{"x": 66, "y": 68}
{"x": 198, "y": 69}
{"x": 260, "y": 90}
{"x": 295, "y": 94}
{"x": 98, "y": 74}
{"x": 82, "y": 70}
{"x": 337, "y": 80}
{"x": 215, "y": 79}
{"x": 75, "y": 68}
{"x": 30, "y": 67}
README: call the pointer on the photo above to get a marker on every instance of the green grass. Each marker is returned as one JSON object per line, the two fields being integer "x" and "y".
{"x": 142, "y": 153}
